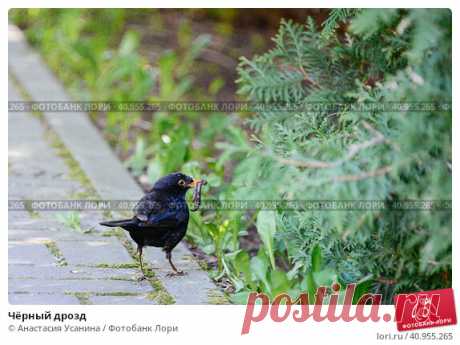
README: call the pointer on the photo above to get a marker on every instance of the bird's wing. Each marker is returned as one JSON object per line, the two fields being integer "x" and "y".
{"x": 168, "y": 218}
{"x": 153, "y": 210}
{"x": 146, "y": 206}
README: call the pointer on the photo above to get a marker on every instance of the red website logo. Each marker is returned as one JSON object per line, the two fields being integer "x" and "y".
{"x": 425, "y": 309}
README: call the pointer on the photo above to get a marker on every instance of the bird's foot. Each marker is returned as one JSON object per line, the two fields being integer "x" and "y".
{"x": 140, "y": 278}
{"x": 175, "y": 274}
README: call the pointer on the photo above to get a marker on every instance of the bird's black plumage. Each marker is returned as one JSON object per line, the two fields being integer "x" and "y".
{"x": 161, "y": 216}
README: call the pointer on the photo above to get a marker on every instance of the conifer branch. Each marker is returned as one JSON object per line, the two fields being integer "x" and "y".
{"x": 353, "y": 150}
{"x": 362, "y": 176}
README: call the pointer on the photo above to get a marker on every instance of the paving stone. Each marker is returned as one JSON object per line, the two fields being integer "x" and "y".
{"x": 121, "y": 300}
{"x": 23, "y": 221}
{"x": 32, "y": 159}
{"x": 71, "y": 272}
{"x": 33, "y": 236}
{"x": 34, "y": 167}
{"x": 25, "y": 253}
{"x": 108, "y": 251}
{"x": 77, "y": 285}
{"x": 91, "y": 220}
{"x": 41, "y": 299}
{"x": 47, "y": 189}
{"x": 19, "y": 217}
{"x": 46, "y": 235}
{"x": 48, "y": 220}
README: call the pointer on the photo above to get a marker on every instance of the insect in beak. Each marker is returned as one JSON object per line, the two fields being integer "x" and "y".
{"x": 198, "y": 184}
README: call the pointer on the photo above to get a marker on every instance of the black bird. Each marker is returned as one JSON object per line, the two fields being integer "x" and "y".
{"x": 161, "y": 216}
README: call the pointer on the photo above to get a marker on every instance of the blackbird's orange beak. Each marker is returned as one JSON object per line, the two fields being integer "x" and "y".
{"x": 194, "y": 182}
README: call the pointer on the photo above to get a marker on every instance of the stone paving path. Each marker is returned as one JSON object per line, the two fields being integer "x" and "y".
{"x": 51, "y": 262}
{"x": 69, "y": 260}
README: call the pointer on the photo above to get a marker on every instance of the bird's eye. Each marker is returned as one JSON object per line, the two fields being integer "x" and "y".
{"x": 181, "y": 183}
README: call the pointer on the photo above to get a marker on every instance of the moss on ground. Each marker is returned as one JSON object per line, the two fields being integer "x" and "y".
{"x": 127, "y": 279}
{"x": 56, "y": 252}
{"x": 32, "y": 213}
{"x": 116, "y": 232}
{"x": 24, "y": 95}
{"x": 216, "y": 297}
{"x": 117, "y": 294}
{"x": 75, "y": 171}
{"x": 161, "y": 297}
{"x": 83, "y": 297}
{"x": 116, "y": 266}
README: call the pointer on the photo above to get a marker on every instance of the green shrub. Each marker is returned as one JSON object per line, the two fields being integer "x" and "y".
{"x": 383, "y": 56}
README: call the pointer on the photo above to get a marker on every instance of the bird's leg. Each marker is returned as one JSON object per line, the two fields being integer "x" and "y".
{"x": 139, "y": 251}
{"x": 175, "y": 270}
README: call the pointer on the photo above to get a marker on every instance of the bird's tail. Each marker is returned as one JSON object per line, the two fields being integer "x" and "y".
{"x": 120, "y": 223}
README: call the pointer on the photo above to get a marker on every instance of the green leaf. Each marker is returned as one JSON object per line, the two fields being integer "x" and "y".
{"x": 311, "y": 288}
{"x": 316, "y": 259}
{"x": 129, "y": 43}
{"x": 259, "y": 268}
{"x": 138, "y": 161}
{"x": 240, "y": 297}
{"x": 154, "y": 171}
{"x": 325, "y": 277}
{"x": 266, "y": 227}
{"x": 242, "y": 263}
{"x": 279, "y": 282}
{"x": 369, "y": 21}
{"x": 362, "y": 287}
